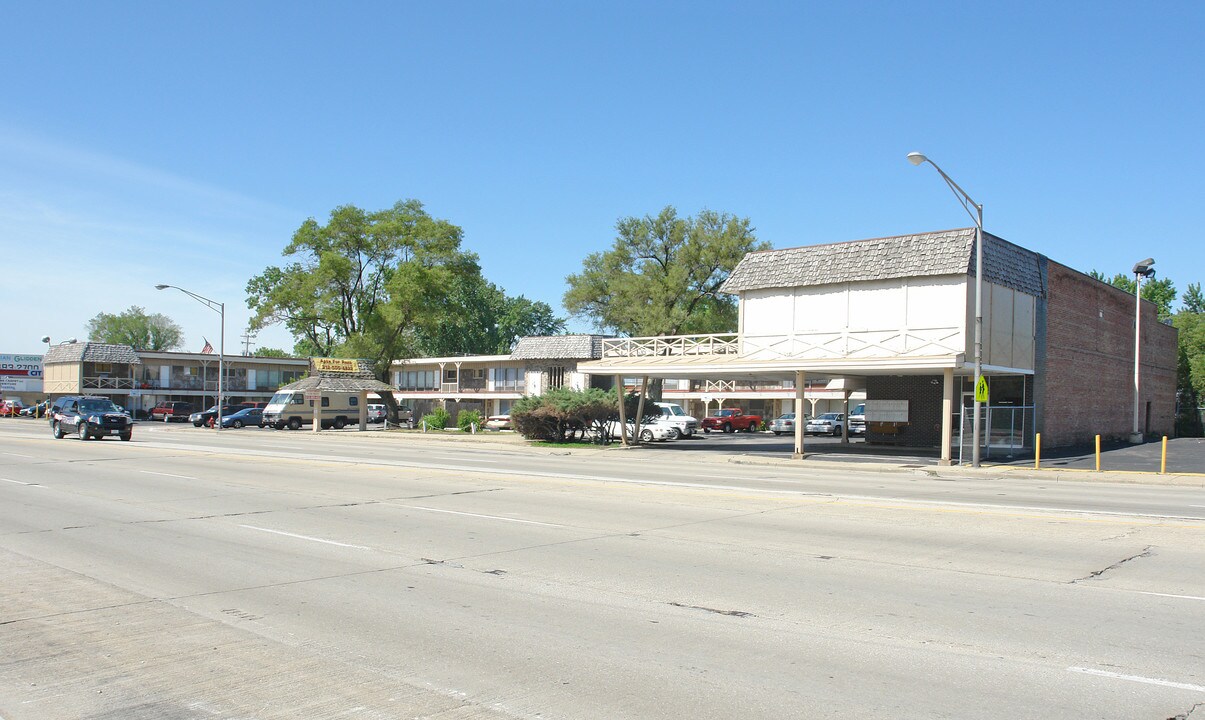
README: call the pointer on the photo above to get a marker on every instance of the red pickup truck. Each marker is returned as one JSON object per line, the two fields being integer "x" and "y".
{"x": 731, "y": 419}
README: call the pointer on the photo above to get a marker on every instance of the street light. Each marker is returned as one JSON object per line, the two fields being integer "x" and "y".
{"x": 967, "y": 203}
{"x": 220, "y": 309}
{"x": 1141, "y": 269}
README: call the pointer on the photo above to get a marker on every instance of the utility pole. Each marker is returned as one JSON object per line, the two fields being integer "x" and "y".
{"x": 248, "y": 341}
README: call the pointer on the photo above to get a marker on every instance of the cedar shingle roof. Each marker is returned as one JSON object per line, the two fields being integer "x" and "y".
{"x": 949, "y": 252}
{"x": 358, "y": 380}
{"x": 91, "y": 352}
{"x": 558, "y": 347}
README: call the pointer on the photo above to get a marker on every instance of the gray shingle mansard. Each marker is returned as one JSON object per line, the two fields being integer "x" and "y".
{"x": 948, "y": 252}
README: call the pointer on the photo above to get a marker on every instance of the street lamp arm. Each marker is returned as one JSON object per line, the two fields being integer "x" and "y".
{"x": 959, "y": 193}
{"x": 213, "y": 305}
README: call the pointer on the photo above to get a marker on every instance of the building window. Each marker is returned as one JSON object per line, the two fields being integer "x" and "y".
{"x": 450, "y": 375}
{"x": 556, "y": 376}
{"x": 418, "y": 380}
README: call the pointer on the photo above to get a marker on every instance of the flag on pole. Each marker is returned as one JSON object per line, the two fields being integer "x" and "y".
{"x": 208, "y": 349}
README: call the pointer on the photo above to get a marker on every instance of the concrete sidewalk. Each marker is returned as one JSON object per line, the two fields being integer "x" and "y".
{"x": 1070, "y": 471}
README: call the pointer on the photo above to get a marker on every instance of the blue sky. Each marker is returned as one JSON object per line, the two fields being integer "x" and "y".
{"x": 183, "y": 143}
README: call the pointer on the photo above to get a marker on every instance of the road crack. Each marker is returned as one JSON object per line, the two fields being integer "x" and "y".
{"x": 730, "y": 613}
{"x": 1187, "y": 715}
{"x": 1147, "y": 552}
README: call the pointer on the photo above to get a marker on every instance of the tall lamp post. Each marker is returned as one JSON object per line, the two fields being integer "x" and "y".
{"x": 1141, "y": 269}
{"x": 967, "y": 203}
{"x": 220, "y": 309}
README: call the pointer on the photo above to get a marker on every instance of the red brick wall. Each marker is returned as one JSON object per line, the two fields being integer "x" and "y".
{"x": 1089, "y": 362}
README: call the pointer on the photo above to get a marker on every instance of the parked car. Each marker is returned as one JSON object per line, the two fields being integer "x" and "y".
{"x": 10, "y": 408}
{"x": 784, "y": 423}
{"x": 205, "y": 417}
{"x": 826, "y": 424}
{"x": 244, "y": 417}
{"x": 168, "y": 411}
{"x": 498, "y": 422}
{"x": 648, "y": 431}
{"x": 37, "y": 410}
{"x": 857, "y": 420}
{"x": 89, "y": 417}
{"x": 376, "y": 413}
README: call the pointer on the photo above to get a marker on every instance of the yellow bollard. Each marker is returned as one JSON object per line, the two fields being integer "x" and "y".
{"x": 1098, "y": 453}
{"x": 1163, "y": 460}
{"x": 1037, "y": 451}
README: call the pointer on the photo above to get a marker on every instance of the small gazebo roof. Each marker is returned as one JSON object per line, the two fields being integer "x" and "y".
{"x": 339, "y": 375}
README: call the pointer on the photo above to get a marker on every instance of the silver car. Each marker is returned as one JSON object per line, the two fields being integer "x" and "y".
{"x": 784, "y": 423}
{"x": 826, "y": 424}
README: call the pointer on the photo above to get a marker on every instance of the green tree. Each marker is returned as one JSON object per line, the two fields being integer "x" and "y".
{"x": 479, "y": 318}
{"x": 271, "y": 352}
{"x": 1191, "y": 329}
{"x": 136, "y": 328}
{"x": 1193, "y": 301}
{"x": 663, "y": 274}
{"x": 1162, "y": 292}
{"x": 365, "y": 284}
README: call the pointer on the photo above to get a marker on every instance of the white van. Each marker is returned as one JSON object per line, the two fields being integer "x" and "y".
{"x": 675, "y": 418}
{"x": 291, "y": 410}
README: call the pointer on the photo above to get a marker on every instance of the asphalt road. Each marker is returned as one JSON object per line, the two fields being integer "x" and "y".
{"x": 256, "y": 574}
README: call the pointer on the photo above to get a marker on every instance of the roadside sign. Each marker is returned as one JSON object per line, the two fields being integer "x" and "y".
{"x": 981, "y": 389}
{"x": 313, "y": 394}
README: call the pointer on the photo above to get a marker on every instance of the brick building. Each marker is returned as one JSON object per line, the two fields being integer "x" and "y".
{"x": 896, "y": 315}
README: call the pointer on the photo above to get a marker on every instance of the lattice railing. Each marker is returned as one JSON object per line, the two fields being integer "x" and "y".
{"x": 716, "y": 344}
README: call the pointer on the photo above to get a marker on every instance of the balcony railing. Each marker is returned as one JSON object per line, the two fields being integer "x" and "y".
{"x": 109, "y": 383}
{"x": 715, "y": 344}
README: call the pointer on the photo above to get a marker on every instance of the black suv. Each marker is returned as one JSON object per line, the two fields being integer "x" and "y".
{"x": 89, "y": 417}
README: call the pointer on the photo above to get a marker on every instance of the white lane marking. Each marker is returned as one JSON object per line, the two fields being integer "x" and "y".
{"x": 21, "y": 483}
{"x": 1202, "y": 506}
{"x": 1143, "y": 592}
{"x": 1138, "y": 678}
{"x": 305, "y": 537}
{"x": 18, "y": 455}
{"x": 487, "y": 517}
{"x": 383, "y": 462}
{"x": 182, "y": 477}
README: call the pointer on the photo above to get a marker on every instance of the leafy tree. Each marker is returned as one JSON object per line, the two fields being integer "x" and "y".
{"x": 1193, "y": 301}
{"x": 365, "y": 284}
{"x": 1162, "y": 292}
{"x": 1191, "y": 328}
{"x": 271, "y": 352}
{"x": 134, "y": 327}
{"x": 1188, "y": 399}
{"x": 387, "y": 285}
{"x": 479, "y": 318}
{"x": 663, "y": 274}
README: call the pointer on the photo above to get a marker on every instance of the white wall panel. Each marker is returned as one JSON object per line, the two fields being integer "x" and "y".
{"x": 820, "y": 309}
{"x": 877, "y": 306}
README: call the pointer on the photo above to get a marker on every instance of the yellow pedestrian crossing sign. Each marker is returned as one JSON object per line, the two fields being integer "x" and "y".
{"x": 981, "y": 389}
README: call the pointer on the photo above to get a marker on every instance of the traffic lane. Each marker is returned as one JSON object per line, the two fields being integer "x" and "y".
{"x": 445, "y": 565}
{"x": 633, "y": 466}
{"x": 801, "y": 600}
{"x": 415, "y": 532}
